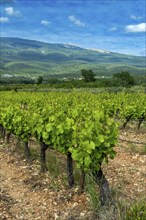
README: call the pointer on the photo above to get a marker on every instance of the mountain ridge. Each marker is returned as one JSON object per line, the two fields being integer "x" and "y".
{"x": 32, "y": 58}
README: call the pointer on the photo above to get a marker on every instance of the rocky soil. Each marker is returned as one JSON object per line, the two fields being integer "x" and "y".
{"x": 28, "y": 194}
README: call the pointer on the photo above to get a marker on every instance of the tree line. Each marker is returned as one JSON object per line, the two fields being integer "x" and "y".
{"x": 87, "y": 79}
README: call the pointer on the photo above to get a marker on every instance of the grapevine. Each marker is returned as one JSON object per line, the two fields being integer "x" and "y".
{"x": 80, "y": 125}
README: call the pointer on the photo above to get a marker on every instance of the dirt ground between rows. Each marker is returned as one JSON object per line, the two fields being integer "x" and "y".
{"x": 28, "y": 195}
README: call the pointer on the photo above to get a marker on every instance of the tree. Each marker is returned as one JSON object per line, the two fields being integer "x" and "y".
{"x": 123, "y": 79}
{"x": 39, "y": 80}
{"x": 88, "y": 75}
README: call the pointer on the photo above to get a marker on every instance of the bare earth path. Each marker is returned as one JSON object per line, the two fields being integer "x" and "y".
{"x": 28, "y": 195}
{"x": 25, "y": 194}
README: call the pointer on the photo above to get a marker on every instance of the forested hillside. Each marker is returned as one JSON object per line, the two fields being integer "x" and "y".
{"x": 31, "y": 58}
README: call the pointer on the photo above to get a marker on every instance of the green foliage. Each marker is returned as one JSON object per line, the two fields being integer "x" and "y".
{"x": 88, "y": 75}
{"x": 66, "y": 123}
{"x": 31, "y": 58}
{"x": 16, "y": 80}
{"x": 136, "y": 211}
{"x": 39, "y": 80}
{"x": 93, "y": 194}
{"x": 80, "y": 123}
{"x": 123, "y": 79}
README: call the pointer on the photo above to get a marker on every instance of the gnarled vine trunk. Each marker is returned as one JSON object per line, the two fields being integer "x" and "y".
{"x": 27, "y": 151}
{"x": 105, "y": 194}
{"x": 43, "y": 148}
{"x": 70, "y": 170}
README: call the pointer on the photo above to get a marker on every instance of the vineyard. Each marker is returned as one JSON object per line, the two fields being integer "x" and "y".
{"x": 82, "y": 126}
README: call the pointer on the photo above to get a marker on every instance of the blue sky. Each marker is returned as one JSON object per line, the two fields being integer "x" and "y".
{"x": 114, "y": 25}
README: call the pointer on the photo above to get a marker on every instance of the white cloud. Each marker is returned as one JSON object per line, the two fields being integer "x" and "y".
{"x": 45, "y": 22}
{"x": 76, "y": 21}
{"x": 4, "y": 19}
{"x": 12, "y": 12}
{"x": 136, "y": 28}
{"x": 136, "y": 17}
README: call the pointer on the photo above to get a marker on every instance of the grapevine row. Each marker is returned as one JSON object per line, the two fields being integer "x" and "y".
{"x": 80, "y": 126}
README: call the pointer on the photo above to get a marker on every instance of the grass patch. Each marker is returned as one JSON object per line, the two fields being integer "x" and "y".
{"x": 136, "y": 149}
{"x": 120, "y": 209}
{"x": 53, "y": 164}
